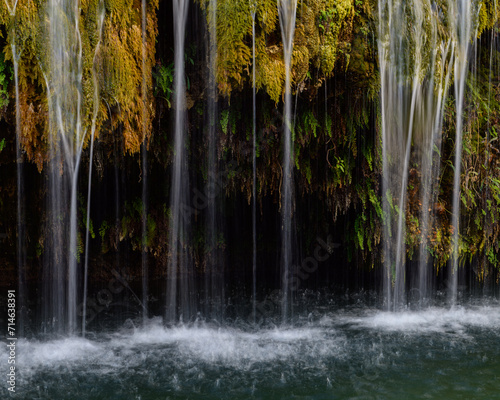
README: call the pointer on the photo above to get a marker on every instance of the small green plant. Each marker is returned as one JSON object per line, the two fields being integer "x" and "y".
{"x": 224, "y": 120}
{"x": 325, "y": 18}
{"x": 5, "y": 78}
{"x": 102, "y": 230}
{"x": 2, "y": 144}
{"x": 151, "y": 232}
{"x": 164, "y": 77}
{"x": 188, "y": 59}
{"x": 310, "y": 123}
{"x": 340, "y": 164}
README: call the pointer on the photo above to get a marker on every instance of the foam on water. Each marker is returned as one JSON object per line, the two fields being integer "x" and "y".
{"x": 44, "y": 354}
{"x": 432, "y": 320}
{"x": 349, "y": 353}
{"x": 234, "y": 347}
{"x": 328, "y": 338}
{"x": 225, "y": 346}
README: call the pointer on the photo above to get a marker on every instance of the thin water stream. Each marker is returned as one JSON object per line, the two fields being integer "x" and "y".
{"x": 144, "y": 167}
{"x": 253, "y": 10}
{"x": 464, "y": 15}
{"x": 287, "y": 15}
{"x": 179, "y": 267}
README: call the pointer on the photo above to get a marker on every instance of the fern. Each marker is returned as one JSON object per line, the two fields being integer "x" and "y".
{"x": 224, "y": 120}
{"x": 359, "y": 229}
{"x": 310, "y": 123}
{"x": 151, "y": 231}
{"x": 328, "y": 125}
{"x": 102, "y": 230}
{"x": 5, "y": 78}
{"x": 164, "y": 77}
{"x": 374, "y": 200}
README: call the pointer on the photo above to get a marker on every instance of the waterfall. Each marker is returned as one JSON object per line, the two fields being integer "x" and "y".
{"x": 179, "y": 269}
{"x": 386, "y": 77}
{"x": 400, "y": 91}
{"x": 21, "y": 216}
{"x": 100, "y": 22}
{"x": 21, "y": 229}
{"x": 64, "y": 80}
{"x": 214, "y": 269}
{"x": 254, "y": 172}
{"x": 144, "y": 255}
{"x": 287, "y": 13}
{"x": 118, "y": 188}
{"x": 462, "y": 14}
{"x": 430, "y": 162}
{"x": 416, "y": 64}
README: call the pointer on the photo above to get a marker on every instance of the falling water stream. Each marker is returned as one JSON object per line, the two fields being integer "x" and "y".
{"x": 287, "y": 14}
{"x": 398, "y": 102}
{"x": 430, "y": 162}
{"x": 253, "y": 10}
{"x": 415, "y": 76}
{"x": 144, "y": 177}
{"x": 214, "y": 273}
{"x": 64, "y": 79}
{"x": 21, "y": 216}
{"x": 100, "y": 22}
{"x": 179, "y": 286}
{"x": 463, "y": 13}
{"x": 21, "y": 201}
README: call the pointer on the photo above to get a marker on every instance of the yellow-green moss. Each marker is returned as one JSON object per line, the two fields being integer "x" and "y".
{"x": 487, "y": 16}
{"x": 117, "y": 62}
{"x": 319, "y": 25}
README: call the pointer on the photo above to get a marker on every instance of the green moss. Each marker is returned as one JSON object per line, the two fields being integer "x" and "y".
{"x": 5, "y": 78}
{"x": 319, "y": 27}
{"x": 117, "y": 61}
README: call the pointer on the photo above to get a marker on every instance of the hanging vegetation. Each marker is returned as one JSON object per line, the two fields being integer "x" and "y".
{"x": 335, "y": 83}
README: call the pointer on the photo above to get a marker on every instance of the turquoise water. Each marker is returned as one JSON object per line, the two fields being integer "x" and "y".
{"x": 355, "y": 353}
